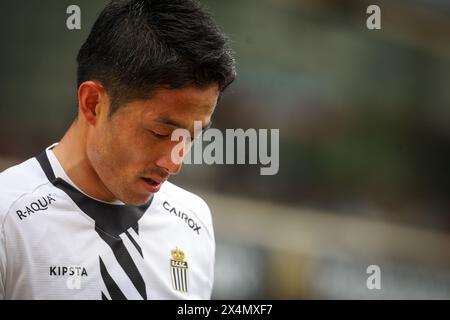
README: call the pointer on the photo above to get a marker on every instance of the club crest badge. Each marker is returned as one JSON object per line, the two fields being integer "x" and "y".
{"x": 179, "y": 271}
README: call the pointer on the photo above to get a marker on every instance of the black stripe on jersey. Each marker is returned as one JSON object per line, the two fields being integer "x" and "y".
{"x": 138, "y": 248}
{"x": 175, "y": 278}
{"x": 126, "y": 261}
{"x": 46, "y": 166}
{"x": 180, "y": 279}
{"x": 185, "y": 280}
{"x": 113, "y": 289}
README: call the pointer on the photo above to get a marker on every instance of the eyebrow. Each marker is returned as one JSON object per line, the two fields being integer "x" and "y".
{"x": 174, "y": 123}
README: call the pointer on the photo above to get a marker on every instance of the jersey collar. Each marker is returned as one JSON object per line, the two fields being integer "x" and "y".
{"x": 112, "y": 219}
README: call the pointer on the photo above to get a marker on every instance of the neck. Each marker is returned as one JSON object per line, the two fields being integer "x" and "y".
{"x": 71, "y": 154}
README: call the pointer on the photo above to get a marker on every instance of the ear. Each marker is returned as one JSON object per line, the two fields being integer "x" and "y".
{"x": 92, "y": 100}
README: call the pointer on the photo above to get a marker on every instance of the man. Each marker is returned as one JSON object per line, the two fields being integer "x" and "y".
{"x": 93, "y": 216}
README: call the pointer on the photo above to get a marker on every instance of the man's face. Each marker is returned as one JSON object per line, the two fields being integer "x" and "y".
{"x": 131, "y": 150}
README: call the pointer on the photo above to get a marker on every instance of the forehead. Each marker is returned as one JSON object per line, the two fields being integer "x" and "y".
{"x": 182, "y": 106}
{"x": 185, "y": 102}
{"x": 191, "y": 97}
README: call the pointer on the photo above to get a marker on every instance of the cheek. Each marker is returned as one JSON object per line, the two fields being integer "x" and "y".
{"x": 98, "y": 153}
{"x": 130, "y": 148}
{"x": 100, "y": 149}
{"x": 124, "y": 153}
{"x": 119, "y": 156}
{"x": 139, "y": 148}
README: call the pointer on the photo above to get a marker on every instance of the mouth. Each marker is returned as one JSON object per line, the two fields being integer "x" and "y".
{"x": 151, "y": 184}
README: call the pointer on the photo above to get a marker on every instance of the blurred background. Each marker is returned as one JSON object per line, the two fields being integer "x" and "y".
{"x": 364, "y": 119}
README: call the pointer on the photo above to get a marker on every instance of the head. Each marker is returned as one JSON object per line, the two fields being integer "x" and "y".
{"x": 147, "y": 68}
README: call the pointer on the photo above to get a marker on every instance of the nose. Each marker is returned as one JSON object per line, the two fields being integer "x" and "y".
{"x": 171, "y": 159}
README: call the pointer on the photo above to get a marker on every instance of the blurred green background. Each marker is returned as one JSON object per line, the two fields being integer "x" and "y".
{"x": 364, "y": 119}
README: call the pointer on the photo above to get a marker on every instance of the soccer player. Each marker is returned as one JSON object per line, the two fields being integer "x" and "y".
{"x": 93, "y": 216}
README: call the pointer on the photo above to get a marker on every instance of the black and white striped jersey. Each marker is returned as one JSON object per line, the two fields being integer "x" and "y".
{"x": 58, "y": 243}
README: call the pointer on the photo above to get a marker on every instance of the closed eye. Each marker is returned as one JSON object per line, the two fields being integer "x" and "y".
{"x": 159, "y": 136}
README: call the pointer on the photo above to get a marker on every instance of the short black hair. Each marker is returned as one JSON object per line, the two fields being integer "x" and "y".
{"x": 138, "y": 46}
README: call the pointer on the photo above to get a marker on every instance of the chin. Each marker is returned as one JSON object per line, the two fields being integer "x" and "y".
{"x": 136, "y": 200}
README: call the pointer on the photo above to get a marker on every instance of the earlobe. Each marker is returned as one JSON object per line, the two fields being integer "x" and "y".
{"x": 90, "y": 99}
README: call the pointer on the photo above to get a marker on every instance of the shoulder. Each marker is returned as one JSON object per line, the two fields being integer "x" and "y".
{"x": 18, "y": 181}
{"x": 190, "y": 201}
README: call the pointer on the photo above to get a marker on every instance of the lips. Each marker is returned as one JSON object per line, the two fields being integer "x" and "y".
{"x": 153, "y": 180}
{"x": 152, "y": 185}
